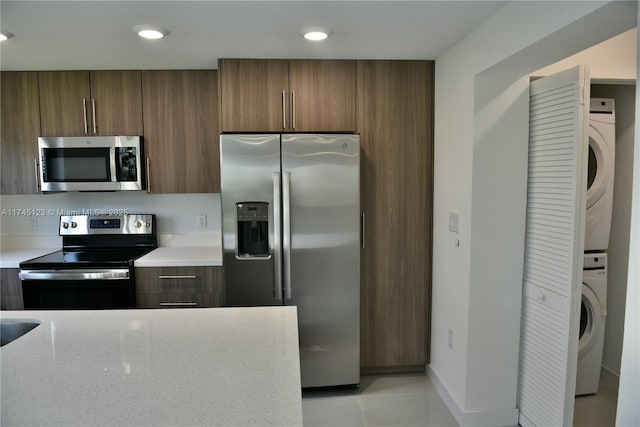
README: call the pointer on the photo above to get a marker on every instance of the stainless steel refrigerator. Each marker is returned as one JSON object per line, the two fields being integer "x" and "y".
{"x": 291, "y": 236}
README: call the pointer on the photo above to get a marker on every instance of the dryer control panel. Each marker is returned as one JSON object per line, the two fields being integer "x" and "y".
{"x": 595, "y": 261}
{"x": 601, "y": 105}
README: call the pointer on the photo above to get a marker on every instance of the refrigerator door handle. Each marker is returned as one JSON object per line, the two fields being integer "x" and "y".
{"x": 277, "y": 233}
{"x": 286, "y": 235}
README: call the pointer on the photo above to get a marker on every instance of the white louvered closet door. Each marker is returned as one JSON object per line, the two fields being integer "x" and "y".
{"x": 554, "y": 245}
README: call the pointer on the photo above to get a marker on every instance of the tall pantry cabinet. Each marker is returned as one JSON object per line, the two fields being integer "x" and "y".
{"x": 395, "y": 121}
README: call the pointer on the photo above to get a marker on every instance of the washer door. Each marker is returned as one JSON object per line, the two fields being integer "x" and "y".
{"x": 590, "y": 314}
{"x": 599, "y": 168}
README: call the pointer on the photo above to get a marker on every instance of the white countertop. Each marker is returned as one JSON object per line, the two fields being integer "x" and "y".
{"x": 12, "y": 257}
{"x": 181, "y": 256}
{"x": 175, "y": 250}
{"x": 180, "y": 367}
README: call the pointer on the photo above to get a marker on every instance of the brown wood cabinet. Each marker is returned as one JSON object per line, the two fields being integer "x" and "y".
{"x": 395, "y": 120}
{"x": 10, "y": 290}
{"x": 181, "y": 131}
{"x": 280, "y": 95}
{"x": 324, "y": 96}
{"x": 78, "y": 103}
{"x": 179, "y": 287}
{"x": 19, "y": 131}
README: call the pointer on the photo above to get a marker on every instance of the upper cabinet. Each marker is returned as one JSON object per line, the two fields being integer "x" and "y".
{"x": 181, "y": 131}
{"x": 323, "y": 96}
{"x": 19, "y": 131}
{"x": 253, "y": 95}
{"x": 78, "y": 103}
{"x": 290, "y": 96}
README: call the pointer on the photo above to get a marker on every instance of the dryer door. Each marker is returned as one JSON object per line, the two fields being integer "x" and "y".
{"x": 590, "y": 315}
{"x": 600, "y": 166}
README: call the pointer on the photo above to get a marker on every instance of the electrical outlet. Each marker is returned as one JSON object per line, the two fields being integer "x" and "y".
{"x": 450, "y": 338}
{"x": 33, "y": 221}
{"x": 202, "y": 221}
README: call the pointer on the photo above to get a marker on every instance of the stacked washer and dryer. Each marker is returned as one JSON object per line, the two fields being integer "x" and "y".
{"x": 593, "y": 312}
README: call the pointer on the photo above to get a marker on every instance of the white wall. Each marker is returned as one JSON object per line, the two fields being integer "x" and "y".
{"x": 612, "y": 60}
{"x": 628, "y": 412}
{"x": 480, "y": 173}
{"x": 175, "y": 213}
{"x": 624, "y": 96}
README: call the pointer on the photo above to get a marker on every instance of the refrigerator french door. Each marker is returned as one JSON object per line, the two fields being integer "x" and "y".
{"x": 291, "y": 236}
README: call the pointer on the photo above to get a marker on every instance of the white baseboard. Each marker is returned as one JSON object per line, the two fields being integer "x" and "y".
{"x": 488, "y": 418}
{"x": 610, "y": 378}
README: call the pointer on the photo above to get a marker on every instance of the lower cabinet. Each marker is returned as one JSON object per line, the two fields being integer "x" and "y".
{"x": 10, "y": 290}
{"x": 179, "y": 287}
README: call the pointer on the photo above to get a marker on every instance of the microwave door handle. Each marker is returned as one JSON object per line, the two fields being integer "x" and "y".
{"x": 114, "y": 163}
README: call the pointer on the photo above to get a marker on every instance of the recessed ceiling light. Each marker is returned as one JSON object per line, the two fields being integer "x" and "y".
{"x": 5, "y": 35}
{"x": 315, "y": 34}
{"x": 150, "y": 31}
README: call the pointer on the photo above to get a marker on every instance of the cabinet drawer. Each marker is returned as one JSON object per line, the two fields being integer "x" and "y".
{"x": 175, "y": 280}
{"x": 11, "y": 302}
{"x": 179, "y": 287}
{"x": 182, "y": 300}
{"x": 10, "y": 290}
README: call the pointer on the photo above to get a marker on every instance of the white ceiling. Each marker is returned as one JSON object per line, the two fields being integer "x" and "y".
{"x": 65, "y": 35}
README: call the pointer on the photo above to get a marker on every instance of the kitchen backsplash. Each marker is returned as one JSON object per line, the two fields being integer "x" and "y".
{"x": 176, "y": 213}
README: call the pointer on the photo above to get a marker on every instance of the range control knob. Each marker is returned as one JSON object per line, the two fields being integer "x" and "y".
{"x": 74, "y": 224}
{"x": 65, "y": 225}
{"x": 138, "y": 224}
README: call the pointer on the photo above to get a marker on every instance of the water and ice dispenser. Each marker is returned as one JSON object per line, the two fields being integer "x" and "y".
{"x": 253, "y": 229}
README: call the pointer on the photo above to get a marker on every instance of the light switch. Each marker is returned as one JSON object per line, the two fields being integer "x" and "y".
{"x": 454, "y": 221}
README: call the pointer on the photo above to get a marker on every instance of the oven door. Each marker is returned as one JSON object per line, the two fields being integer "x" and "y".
{"x": 77, "y": 289}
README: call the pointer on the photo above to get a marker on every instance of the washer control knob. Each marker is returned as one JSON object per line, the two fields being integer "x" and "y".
{"x": 74, "y": 224}
{"x": 65, "y": 225}
{"x": 138, "y": 224}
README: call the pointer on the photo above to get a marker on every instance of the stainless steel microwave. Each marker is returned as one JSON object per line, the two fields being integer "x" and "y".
{"x": 91, "y": 163}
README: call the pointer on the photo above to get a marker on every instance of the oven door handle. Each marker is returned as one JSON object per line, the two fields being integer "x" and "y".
{"x": 86, "y": 274}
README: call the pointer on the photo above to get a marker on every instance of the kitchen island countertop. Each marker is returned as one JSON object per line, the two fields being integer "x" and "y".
{"x": 219, "y": 366}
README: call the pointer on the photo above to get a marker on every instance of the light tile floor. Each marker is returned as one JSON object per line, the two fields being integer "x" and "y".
{"x": 596, "y": 410}
{"x": 411, "y": 400}
{"x": 385, "y": 401}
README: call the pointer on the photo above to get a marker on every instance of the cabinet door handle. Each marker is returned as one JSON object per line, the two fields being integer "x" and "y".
{"x": 284, "y": 110}
{"x": 277, "y": 236}
{"x": 37, "y": 170}
{"x": 286, "y": 235}
{"x": 177, "y": 276}
{"x": 293, "y": 109}
{"x": 178, "y": 304}
{"x": 148, "y": 175}
{"x": 84, "y": 114}
{"x": 363, "y": 229}
{"x": 93, "y": 115}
